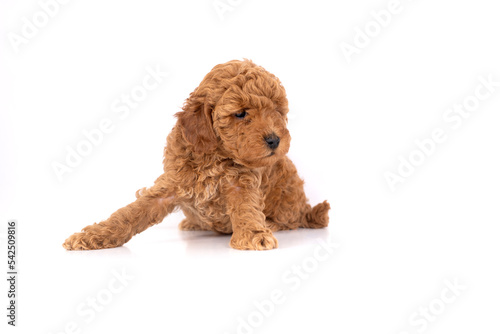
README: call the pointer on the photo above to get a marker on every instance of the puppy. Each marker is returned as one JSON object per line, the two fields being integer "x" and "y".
{"x": 225, "y": 167}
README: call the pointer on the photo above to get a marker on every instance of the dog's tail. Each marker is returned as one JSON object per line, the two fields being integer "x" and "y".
{"x": 317, "y": 217}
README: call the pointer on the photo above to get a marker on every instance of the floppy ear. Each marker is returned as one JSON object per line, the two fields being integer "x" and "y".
{"x": 195, "y": 122}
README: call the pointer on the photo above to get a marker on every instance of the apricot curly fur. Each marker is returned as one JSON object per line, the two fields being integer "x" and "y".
{"x": 223, "y": 167}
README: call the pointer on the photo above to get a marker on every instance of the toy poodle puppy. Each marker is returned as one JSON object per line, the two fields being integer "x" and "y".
{"x": 225, "y": 167}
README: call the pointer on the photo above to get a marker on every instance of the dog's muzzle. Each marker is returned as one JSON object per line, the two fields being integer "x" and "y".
{"x": 272, "y": 141}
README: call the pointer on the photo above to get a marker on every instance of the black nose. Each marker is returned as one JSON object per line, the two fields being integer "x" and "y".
{"x": 272, "y": 141}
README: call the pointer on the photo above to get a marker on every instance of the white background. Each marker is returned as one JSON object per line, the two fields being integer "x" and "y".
{"x": 350, "y": 121}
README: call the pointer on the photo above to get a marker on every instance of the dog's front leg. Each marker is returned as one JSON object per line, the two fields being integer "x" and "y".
{"x": 244, "y": 203}
{"x": 151, "y": 206}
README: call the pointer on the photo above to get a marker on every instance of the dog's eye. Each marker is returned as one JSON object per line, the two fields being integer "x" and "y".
{"x": 241, "y": 114}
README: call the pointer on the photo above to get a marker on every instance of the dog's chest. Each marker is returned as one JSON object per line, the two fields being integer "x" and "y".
{"x": 207, "y": 188}
{"x": 204, "y": 194}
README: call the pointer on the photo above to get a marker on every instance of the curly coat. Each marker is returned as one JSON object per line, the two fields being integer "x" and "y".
{"x": 225, "y": 166}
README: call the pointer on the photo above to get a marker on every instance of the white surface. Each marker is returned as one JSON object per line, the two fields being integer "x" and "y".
{"x": 349, "y": 123}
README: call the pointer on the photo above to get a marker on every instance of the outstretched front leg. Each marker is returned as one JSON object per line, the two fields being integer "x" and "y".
{"x": 151, "y": 206}
{"x": 245, "y": 204}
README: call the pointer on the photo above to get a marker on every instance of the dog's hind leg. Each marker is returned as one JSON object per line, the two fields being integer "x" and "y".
{"x": 151, "y": 206}
{"x": 317, "y": 217}
{"x": 287, "y": 207}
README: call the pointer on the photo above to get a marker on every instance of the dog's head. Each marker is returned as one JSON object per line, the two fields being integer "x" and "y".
{"x": 238, "y": 110}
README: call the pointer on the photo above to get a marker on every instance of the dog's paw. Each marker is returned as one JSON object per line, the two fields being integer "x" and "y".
{"x": 86, "y": 240}
{"x": 318, "y": 217}
{"x": 253, "y": 240}
{"x": 76, "y": 242}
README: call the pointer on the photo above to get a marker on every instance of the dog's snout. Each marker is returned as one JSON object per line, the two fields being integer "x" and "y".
{"x": 272, "y": 141}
